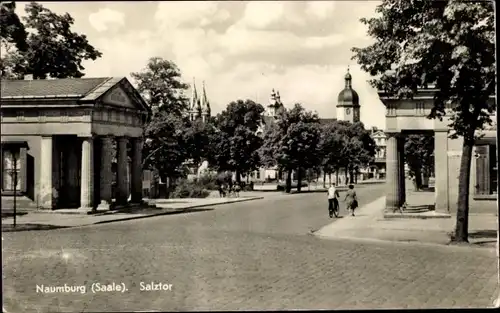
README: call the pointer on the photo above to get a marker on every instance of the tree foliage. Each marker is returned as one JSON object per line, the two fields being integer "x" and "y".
{"x": 161, "y": 85}
{"x": 42, "y": 45}
{"x": 169, "y": 135}
{"x": 448, "y": 44}
{"x": 234, "y": 145}
{"x": 292, "y": 142}
{"x": 419, "y": 155}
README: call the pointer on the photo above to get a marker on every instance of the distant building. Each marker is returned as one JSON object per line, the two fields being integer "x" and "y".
{"x": 199, "y": 107}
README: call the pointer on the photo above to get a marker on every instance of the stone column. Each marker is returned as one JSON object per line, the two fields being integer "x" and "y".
{"x": 121, "y": 172}
{"x": 106, "y": 173}
{"x": 45, "y": 184}
{"x": 441, "y": 171}
{"x": 87, "y": 174}
{"x": 136, "y": 170}
{"x": 401, "y": 161}
{"x": 392, "y": 180}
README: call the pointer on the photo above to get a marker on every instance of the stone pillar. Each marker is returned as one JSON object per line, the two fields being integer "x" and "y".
{"x": 401, "y": 161}
{"x": 136, "y": 170}
{"x": 106, "y": 173}
{"x": 441, "y": 171}
{"x": 392, "y": 181}
{"x": 87, "y": 174}
{"x": 121, "y": 172}
{"x": 45, "y": 184}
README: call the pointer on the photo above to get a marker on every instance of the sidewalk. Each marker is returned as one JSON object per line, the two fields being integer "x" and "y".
{"x": 369, "y": 224}
{"x": 315, "y": 186}
{"x": 163, "y": 207}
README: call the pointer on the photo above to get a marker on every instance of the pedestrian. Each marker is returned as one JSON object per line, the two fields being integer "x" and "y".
{"x": 237, "y": 189}
{"x": 333, "y": 202}
{"x": 351, "y": 200}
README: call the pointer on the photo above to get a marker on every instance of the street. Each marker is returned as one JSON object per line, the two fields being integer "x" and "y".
{"x": 255, "y": 255}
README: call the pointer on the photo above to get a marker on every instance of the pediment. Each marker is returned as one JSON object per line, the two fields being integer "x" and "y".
{"x": 118, "y": 96}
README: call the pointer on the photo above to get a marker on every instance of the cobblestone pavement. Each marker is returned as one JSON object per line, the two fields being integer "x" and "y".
{"x": 251, "y": 255}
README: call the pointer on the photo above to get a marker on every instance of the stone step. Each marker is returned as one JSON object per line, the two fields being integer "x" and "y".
{"x": 22, "y": 202}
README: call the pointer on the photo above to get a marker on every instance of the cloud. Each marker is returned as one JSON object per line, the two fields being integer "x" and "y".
{"x": 106, "y": 18}
{"x": 320, "y": 9}
{"x": 173, "y": 15}
{"x": 261, "y": 14}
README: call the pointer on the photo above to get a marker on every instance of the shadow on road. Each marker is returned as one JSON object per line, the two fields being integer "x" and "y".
{"x": 28, "y": 227}
{"x": 489, "y": 233}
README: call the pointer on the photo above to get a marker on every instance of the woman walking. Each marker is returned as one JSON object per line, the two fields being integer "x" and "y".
{"x": 351, "y": 200}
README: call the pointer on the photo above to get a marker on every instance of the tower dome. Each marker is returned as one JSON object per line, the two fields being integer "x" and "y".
{"x": 348, "y": 96}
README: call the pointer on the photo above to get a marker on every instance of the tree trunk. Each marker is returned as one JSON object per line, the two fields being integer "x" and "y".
{"x": 418, "y": 178}
{"x": 238, "y": 177}
{"x": 299, "y": 179}
{"x": 288, "y": 187}
{"x": 462, "y": 226}
{"x": 346, "y": 176}
{"x": 330, "y": 178}
{"x": 324, "y": 178}
{"x": 337, "y": 176}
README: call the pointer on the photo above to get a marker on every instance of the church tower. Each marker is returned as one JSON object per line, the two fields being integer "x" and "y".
{"x": 205, "y": 105}
{"x": 194, "y": 103}
{"x": 199, "y": 107}
{"x": 348, "y": 102}
{"x": 274, "y": 104}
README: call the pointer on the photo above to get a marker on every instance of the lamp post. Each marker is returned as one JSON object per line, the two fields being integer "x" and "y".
{"x": 14, "y": 174}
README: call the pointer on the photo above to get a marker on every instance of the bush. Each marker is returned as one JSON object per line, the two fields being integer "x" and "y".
{"x": 208, "y": 181}
{"x": 189, "y": 189}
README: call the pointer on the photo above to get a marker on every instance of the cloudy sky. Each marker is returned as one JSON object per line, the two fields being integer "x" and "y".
{"x": 240, "y": 49}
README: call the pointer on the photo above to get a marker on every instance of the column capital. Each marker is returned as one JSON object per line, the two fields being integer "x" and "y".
{"x": 87, "y": 137}
{"x": 393, "y": 135}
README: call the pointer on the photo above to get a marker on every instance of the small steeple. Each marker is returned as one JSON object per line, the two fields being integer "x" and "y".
{"x": 194, "y": 97}
{"x": 348, "y": 79}
{"x": 205, "y": 105}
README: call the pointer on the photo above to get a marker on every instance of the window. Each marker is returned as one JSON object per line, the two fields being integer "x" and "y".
{"x": 258, "y": 174}
{"x": 11, "y": 170}
{"x": 13, "y": 167}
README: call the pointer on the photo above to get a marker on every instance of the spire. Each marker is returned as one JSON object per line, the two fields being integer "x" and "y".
{"x": 194, "y": 97}
{"x": 205, "y": 105}
{"x": 348, "y": 79}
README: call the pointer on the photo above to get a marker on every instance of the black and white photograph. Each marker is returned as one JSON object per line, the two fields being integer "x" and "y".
{"x": 248, "y": 155}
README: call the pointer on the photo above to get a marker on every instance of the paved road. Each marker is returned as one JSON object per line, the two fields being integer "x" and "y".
{"x": 251, "y": 255}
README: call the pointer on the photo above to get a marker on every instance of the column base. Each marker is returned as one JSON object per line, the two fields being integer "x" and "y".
{"x": 87, "y": 210}
{"x": 104, "y": 206}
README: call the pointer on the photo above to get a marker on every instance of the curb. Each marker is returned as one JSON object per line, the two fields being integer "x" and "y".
{"x": 414, "y": 216}
{"x": 402, "y": 242}
{"x": 175, "y": 211}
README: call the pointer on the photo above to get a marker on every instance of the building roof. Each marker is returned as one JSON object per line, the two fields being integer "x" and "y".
{"x": 82, "y": 89}
{"x": 348, "y": 96}
{"x": 50, "y": 88}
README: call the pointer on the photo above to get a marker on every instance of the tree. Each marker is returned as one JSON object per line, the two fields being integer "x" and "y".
{"x": 168, "y": 134}
{"x": 12, "y": 39}
{"x": 161, "y": 85}
{"x": 292, "y": 142}
{"x": 49, "y": 48}
{"x": 419, "y": 155}
{"x": 165, "y": 146}
{"x": 332, "y": 148}
{"x": 235, "y": 145}
{"x": 450, "y": 44}
{"x": 197, "y": 141}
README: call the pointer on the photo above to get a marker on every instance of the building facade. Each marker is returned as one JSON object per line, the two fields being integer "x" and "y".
{"x": 57, "y": 138}
{"x": 407, "y": 116}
